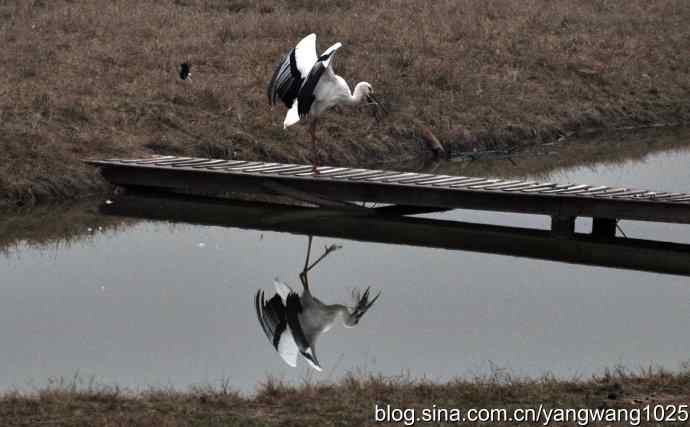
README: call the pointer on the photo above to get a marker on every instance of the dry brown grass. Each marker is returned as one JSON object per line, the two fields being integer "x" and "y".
{"x": 99, "y": 78}
{"x": 350, "y": 402}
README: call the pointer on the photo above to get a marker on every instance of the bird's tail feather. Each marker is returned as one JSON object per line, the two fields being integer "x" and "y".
{"x": 292, "y": 115}
{"x": 282, "y": 289}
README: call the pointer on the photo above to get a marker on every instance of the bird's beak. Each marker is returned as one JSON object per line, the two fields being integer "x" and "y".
{"x": 372, "y": 100}
{"x": 362, "y": 306}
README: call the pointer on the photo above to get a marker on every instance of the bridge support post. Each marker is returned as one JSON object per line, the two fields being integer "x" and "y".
{"x": 604, "y": 228}
{"x": 563, "y": 226}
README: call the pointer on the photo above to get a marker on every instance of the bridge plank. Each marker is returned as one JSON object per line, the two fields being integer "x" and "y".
{"x": 144, "y": 160}
{"x": 332, "y": 171}
{"x": 517, "y": 187}
{"x": 364, "y": 174}
{"x": 595, "y": 190}
{"x": 282, "y": 167}
{"x": 371, "y": 178}
{"x": 539, "y": 187}
{"x": 422, "y": 176}
{"x": 227, "y": 163}
{"x": 468, "y": 182}
{"x": 213, "y": 162}
{"x": 322, "y": 170}
{"x": 499, "y": 185}
{"x": 190, "y": 163}
{"x": 666, "y": 196}
{"x": 402, "y": 179}
{"x": 395, "y": 176}
{"x": 431, "y": 179}
{"x": 239, "y": 167}
{"x": 259, "y": 168}
{"x": 558, "y": 189}
{"x": 575, "y": 189}
{"x": 609, "y": 192}
{"x": 296, "y": 170}
{"x": 164, "y": 162}
{"x": 580, "y": 189}
{"x": 628, "y": 194}
{"x": 350, "y": 172}
{"x": 482, "y": 185}
{"x": 450, "y": 181}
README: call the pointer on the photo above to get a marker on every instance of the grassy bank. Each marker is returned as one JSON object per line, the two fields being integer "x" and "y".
{"x": 99, "y": 78}
{"x": 350, "y": 402}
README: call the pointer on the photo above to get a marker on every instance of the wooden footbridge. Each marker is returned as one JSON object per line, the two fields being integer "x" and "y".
{"x": 410, "y": 192}
{"x": 195, "y": 190}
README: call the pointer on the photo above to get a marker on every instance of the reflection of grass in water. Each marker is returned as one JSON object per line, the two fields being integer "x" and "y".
{"x": 610, "y": 149}
{"x": 57, "y": 225}
{"x": 348, "y": 401}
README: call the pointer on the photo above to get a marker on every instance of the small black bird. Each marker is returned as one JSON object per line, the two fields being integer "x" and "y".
{"x": 184, "y": 71}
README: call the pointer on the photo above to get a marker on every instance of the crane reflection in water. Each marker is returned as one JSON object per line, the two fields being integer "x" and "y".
{"x": 294, "y": 322}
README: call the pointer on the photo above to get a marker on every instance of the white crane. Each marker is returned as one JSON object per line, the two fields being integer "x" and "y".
{"x": 293, "y": 323}
{"x": 306, "y": 83}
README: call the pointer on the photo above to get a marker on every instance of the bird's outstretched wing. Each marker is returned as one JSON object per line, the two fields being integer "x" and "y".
{"x": 293, "y": 309}
{"x": 306, "y": 348}
{"x": 272, "y": 316}
{"x": 307, "y": 93}
{"x": 291, "y": 72}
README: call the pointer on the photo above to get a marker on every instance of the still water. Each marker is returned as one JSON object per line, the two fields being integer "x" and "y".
{"x": 148, "y": 303}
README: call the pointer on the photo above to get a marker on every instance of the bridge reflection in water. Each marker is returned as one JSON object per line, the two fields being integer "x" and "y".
{"x": 383, "y": 225}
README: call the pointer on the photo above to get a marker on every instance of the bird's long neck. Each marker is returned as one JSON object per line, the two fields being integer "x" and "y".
{"x": 340, "y": 309}
{"x": 358, "y": 94}
{"x": 346, "y": 314}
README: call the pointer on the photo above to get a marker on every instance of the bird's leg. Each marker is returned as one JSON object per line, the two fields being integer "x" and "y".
{"x": 306, "y": 260}
{"x": 307, "y": 267}
{"x": 315, "y": 150}
{"x": 303, "y": 275}
{"x": 327, "y": 250}
{"x": 305, "y": 280}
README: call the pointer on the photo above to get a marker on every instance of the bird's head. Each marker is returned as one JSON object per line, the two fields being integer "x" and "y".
{"x": 367, "y": 93}
{"x": 362, "y": 305}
